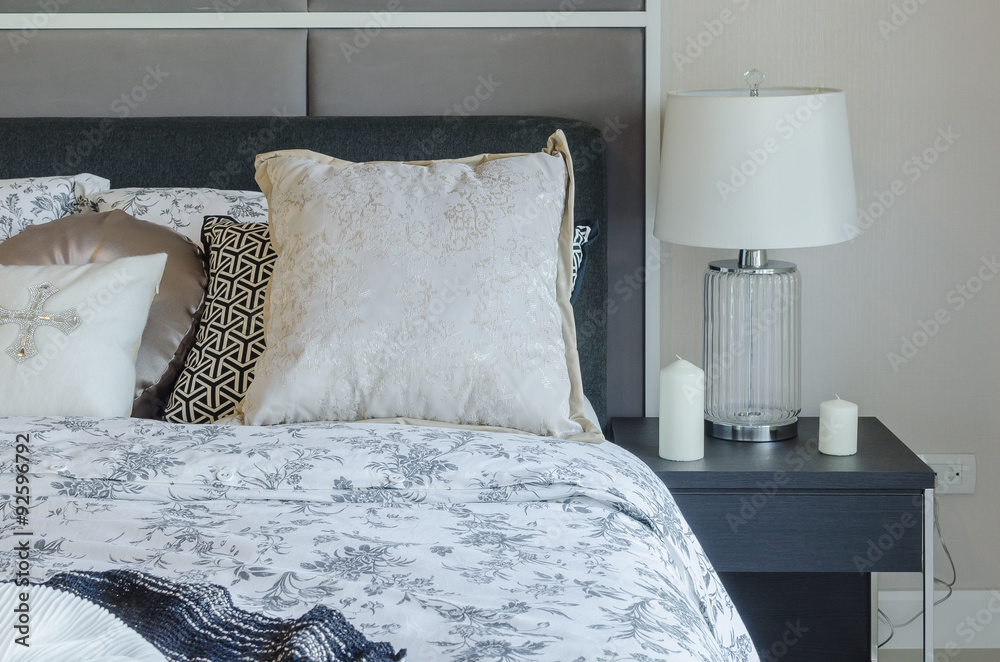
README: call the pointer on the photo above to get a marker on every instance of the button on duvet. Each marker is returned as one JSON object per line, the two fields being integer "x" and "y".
{"x": 225, "y": 474}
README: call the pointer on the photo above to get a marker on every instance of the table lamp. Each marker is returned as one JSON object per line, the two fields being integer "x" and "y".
{"x": 753, "y": 170}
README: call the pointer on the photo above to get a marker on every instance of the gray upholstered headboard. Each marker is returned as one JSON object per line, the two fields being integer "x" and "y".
{"x": 593, "y": 60}
{"x": 218, "y": 152}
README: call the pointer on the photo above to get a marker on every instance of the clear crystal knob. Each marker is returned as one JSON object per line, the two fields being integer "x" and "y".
{"x": 754, "y": 78}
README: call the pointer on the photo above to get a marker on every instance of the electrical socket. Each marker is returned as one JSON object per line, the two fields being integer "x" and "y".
{"x": 955, "y": 474}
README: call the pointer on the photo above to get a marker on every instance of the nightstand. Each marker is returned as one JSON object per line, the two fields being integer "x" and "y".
{"x": 796, "y": 535}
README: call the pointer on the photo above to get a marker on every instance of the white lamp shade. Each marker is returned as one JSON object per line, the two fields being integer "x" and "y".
{"x": 766, "y": 172}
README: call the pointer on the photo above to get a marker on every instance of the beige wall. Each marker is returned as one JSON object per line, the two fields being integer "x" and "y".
{"x": 912, "y": 70}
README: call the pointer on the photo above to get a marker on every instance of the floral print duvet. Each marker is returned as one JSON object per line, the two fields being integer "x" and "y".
{"x": 454, "y": 544}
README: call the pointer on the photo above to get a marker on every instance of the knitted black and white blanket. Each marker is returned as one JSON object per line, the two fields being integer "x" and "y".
{"x": 191, "y": 622}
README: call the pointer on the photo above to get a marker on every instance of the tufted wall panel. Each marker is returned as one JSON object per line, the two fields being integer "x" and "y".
{"x": 207, "y": 6}
{"x": 149, "y": 73}
{"x": 478, "y": 5}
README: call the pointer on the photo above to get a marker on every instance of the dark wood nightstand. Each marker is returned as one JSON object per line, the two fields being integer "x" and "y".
{"x": 796, "y": 535}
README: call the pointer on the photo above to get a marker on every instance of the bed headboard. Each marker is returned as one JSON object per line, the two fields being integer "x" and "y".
{"x": 218, "y": 152}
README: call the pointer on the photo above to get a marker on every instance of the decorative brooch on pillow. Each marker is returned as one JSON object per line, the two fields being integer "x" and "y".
{"x": 71, "y": 334}
{"x": 33, "y": 316}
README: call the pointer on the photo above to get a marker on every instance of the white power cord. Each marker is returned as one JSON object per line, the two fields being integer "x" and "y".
{"x": 937, "y": 582}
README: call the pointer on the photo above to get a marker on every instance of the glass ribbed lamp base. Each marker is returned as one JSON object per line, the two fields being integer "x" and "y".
{"x": 752, "y": 350}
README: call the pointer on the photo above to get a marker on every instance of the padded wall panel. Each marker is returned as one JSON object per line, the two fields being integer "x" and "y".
{"x": 123, "y": 73}
{"x": 206, "y": 6}
{"x": 594, "y": 75}
{"x": 479, "y": 5}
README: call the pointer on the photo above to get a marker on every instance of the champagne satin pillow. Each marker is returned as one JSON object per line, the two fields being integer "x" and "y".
{"x": 173, "y": 315}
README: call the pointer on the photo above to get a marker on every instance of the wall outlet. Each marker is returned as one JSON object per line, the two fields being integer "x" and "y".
{"x": 956, "y": 474}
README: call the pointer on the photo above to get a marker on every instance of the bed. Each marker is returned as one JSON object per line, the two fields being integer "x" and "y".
{"x": 452, "y": 536}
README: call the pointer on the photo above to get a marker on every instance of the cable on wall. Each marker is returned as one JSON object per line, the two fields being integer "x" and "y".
{"x": 884, "y": 618}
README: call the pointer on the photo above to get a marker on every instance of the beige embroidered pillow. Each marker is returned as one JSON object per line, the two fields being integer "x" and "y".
{"x": 436, "y": 291}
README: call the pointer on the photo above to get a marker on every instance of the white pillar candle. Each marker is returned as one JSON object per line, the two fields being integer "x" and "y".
{"x": 682, "y": 411}
{"x": 838, "y": 427}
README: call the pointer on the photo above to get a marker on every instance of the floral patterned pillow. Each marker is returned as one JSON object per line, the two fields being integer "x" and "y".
{"x": 183, "y": 209}
{"x": 37, "y": 200}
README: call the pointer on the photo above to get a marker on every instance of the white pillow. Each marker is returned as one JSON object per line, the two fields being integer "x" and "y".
{"x": 183, "y": 209}
{"x": 37, "y": 200}
{"x": 88, "y": 370}
{"x": 67, "y": 628}
{"x": 436, "y": 291}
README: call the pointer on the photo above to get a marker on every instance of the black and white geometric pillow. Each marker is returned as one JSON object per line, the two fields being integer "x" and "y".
{"x": 230, "y": 337}
{"x": 584, "y": 235}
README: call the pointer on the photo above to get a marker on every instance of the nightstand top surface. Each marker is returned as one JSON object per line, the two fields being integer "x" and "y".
{"x": 882, "y": 462}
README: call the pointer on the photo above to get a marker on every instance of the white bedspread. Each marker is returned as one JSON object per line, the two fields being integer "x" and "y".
{"x": 455, "y": 545}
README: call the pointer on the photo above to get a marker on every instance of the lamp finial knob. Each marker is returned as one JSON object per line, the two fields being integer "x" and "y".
{"x": 754, "y": 78}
